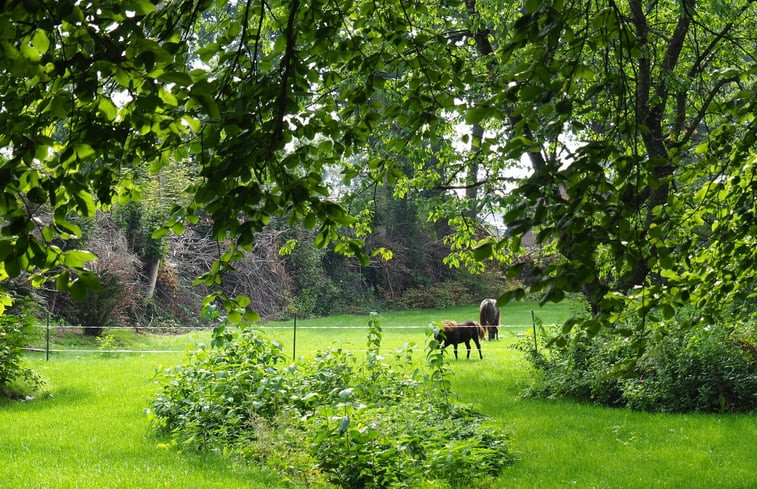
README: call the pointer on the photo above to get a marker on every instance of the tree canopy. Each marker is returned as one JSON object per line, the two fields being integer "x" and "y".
{"x": 636, "y": 118}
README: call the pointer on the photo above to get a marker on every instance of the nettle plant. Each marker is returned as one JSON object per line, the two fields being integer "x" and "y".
{"x": 382, "y": 422}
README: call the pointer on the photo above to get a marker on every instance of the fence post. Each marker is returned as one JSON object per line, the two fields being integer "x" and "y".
{"x": 533, "y": 323}
{"x": 294, "y": 340}
{"x": 47, "y": 338}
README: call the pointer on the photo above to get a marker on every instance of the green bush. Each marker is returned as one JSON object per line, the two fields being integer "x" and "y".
{"x": 579, "y": 370}
{"x": 15, "y": 329}
{"x": 703, "y": 368}
{"x": 377, "y": 423}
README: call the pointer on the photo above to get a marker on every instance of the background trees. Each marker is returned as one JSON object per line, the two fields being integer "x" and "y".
{"x": 636, "y": 119}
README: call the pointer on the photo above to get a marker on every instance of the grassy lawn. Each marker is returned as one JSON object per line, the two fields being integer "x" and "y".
{"x": 92, "y": 432}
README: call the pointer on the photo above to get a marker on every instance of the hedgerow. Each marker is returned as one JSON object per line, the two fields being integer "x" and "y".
{"x": 376, "y": 423}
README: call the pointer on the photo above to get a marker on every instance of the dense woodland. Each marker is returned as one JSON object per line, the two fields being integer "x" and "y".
{"x": 283, "y": 275}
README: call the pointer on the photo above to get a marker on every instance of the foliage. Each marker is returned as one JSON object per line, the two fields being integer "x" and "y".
{"x": 461, "y": 289}
{"x": 379, "y": 424}
{"x": 637, "y": 121}
{"x": 107, "y": 343}
{"x": 708, "y": 368}
{"x": 15, "y": 329}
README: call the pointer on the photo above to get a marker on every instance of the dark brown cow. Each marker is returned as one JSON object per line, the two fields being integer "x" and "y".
{"x": 456, "y": 333}
{"x": 489, "y": 317}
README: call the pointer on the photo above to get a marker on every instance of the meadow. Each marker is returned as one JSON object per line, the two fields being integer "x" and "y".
{"x": 90, "y": 430}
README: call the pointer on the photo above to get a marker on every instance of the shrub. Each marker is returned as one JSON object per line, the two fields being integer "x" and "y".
{"x": 15, "y": 328}
{"x": 578, "y": 370}
{"x": 702, "y": 368}
{"x": 379, "y": 423}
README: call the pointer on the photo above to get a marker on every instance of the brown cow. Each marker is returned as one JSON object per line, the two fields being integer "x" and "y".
{"x": 455, "y": 333}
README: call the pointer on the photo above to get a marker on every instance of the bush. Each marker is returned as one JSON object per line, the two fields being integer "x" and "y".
{"x": 15, "y": 329}
{"x": 376, "y": 424}
{"x": 579, "y": 370}
{"x": 704, "y": 368}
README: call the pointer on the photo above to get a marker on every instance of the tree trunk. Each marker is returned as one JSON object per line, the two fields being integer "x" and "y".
{"x": 153, "y": 267}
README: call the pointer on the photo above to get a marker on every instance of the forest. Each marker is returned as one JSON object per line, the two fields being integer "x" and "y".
{"x": 199, "y": 162}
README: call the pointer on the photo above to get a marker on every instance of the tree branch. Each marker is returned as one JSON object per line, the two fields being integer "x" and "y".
{"x": 286, "y": 68}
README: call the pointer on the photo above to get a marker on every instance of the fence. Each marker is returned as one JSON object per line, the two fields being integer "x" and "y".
{"x": 294, "y": 328}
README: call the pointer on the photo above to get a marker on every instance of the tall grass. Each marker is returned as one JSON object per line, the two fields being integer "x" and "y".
{"x": 93, "y": 433}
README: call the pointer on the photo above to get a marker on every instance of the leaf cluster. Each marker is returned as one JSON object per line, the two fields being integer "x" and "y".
{"x": 15, "y": 330}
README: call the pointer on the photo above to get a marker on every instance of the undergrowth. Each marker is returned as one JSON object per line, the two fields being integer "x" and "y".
{"x": 705, "y": 368}
{"x": 382, "y": 422}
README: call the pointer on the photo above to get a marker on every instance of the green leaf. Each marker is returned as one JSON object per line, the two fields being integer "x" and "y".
{"x": 90, "y": 280}
{"x": 61, "y": 281}
{"x": 193, "y": 123}
{"x": 667, "y": 311}
{"x": 107, "y": 108}
{"x": 167, "y": 97}
{"x": 141, "y": 7}
{"x": 30, "y": 53}
{"x": 84, "y": 150}
{"x": 40, "y": 41}
{"x": 78, "y": 290}
{"x": 177, "y": 77}
{"x": 483, "y": 252}
{"x": 510, "y": 295}
{"x": 235, "y": 317}
{"x": 85, "y": 203}
{"x": 476, "y": 115}
{"x": 532, "y": 5}
{"x": 160, "y": 233}
{"x": 77, "y": 258}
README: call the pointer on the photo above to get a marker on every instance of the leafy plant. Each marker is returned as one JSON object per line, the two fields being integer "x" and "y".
{"x": 107, "y": 343}
{"x": 15, "y": 328}
{"x": 382, "y": 423}
{"x": 705, "y": 368}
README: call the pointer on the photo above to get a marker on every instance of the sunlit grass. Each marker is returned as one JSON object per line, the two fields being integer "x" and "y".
{"x": 567, "y": 444}
{"x": 92, "y": 432}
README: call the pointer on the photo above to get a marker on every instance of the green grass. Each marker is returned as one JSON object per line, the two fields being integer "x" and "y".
{"x": 93, "y": 433}
{"x": 567, "y": 444}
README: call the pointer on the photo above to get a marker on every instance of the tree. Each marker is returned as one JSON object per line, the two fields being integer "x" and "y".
{"x": 637, "y": 120}
{"x": 656, "y": 99}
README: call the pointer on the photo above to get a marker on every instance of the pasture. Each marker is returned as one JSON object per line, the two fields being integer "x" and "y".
{"x": 91, "y": 431}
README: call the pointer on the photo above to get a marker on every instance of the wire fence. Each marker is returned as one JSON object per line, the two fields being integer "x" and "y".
{"x": 105, "y": 349}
